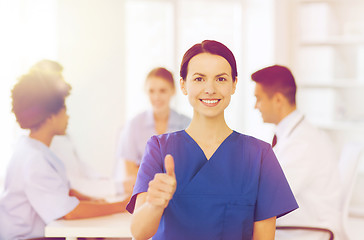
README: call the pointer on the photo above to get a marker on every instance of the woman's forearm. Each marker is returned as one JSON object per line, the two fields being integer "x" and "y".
{"x": 145, "y": 221}
{"x": 265, "y": 229}
{"x": 86, "y": 209}
{"x": 150, "y": 205}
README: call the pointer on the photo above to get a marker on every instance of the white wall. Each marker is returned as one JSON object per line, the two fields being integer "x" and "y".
{"x": 91, "y": 50}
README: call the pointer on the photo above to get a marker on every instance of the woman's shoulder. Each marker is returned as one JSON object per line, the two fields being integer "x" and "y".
{"x": 179, "y": 115}
{"x": 138, "y": 120}
{"x": 169, "y": 136}
{"x": 30, "y": 153}
{"x": 140, "y": 116}
{"x": 251, "y": 141}
{"x": 167, "y": 139}
{"x": 179, "y": 119}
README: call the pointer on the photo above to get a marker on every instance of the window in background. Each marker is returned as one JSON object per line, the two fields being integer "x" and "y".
{"x": 214, "y": 20}
{"x": 28, "y": 30}
{"x": 149, "y": 43}
{"x": 159, "y": 32}
{"x": 259, "y": 52}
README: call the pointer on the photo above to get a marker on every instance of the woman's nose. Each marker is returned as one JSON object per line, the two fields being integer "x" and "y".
{"x": 210, "y": 87}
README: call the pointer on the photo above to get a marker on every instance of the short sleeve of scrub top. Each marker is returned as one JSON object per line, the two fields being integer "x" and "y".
{"x": 36, "y": 191}
{"x": 221, "y": 197}
{"x": 46, "y": 189}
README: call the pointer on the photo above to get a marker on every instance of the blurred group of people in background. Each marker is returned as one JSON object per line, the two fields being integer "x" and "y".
{"x": 47, "y": 180}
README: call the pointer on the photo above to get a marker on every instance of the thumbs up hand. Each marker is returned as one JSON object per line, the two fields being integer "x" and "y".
{"x": 169, "y": 165}
{"x": 163, "y": 186}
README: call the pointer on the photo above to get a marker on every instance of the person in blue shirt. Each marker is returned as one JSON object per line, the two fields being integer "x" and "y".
{"x": 36, "y": 189}
{"x": 208, "y": 181}
{"x": 160, "y": 88}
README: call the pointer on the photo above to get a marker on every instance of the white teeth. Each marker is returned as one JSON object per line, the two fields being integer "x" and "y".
{"x": 210, "y": 101}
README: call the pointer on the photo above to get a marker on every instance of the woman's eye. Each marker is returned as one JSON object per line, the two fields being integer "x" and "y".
{"x": 198, "y": 79}
{"x": 221, "y": 79}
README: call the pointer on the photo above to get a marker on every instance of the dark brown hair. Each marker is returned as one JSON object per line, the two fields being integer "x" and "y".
{"x": 212, "y": 47}
{"x": 36, "y": 96}
{"x": 275, "y": 79}
{"x": 161, "y": 73}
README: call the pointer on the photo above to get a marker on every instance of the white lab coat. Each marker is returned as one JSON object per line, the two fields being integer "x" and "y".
{"x": 310, "y": 163}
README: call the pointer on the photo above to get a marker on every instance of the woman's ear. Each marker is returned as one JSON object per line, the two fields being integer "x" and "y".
{"x": 182, "y": 84}
{"x": 234, "y": 85}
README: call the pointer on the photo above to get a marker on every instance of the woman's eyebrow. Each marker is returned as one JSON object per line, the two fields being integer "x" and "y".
{"x": 218, "y": 75}
{"x": 221, "y": 74}
{"x": 200, "y": 74}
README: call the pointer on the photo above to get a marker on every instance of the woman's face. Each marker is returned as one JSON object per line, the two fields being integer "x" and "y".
{"x": 209, "y": 84}
{"x": 160, "y": 92}
{"x": 60, "y": 121}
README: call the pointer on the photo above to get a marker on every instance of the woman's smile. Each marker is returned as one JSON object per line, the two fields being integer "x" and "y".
{"x": 210, "y": 102}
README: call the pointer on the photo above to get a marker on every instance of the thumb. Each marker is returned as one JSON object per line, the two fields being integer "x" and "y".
{"x": 169, "y": 165}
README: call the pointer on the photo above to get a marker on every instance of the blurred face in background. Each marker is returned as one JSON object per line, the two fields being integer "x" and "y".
{"x": 266, "y": 105}
{"x": 60, "y": 122}
{"x": 160, "y": 93}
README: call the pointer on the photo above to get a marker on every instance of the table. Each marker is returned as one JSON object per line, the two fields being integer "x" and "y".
{"x": 113, "y": 226}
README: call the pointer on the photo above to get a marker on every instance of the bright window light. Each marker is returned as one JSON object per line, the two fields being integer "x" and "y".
{"x": 29, "y": 34}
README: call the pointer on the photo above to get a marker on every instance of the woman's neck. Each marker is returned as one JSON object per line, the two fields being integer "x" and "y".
{"x": 161, "y": 116}
{"x": 208, "y": 133}
{"x": 208, "y": 129}
{"x": 41, "y": 136}
{"x": 161, "y": 122}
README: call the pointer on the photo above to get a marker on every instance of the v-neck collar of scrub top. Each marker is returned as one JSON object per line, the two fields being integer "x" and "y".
{"x": 198, "y": 165}
{"x": 173, "y": 120}
{"x": 195, "y": 144}
{"x": 288, "y": 124}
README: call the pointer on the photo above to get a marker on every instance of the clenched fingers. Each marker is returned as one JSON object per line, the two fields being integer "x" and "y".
{"x": 161, "y": 189}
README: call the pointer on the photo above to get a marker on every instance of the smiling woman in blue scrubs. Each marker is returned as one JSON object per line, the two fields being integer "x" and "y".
{"x": 208, "y": 181}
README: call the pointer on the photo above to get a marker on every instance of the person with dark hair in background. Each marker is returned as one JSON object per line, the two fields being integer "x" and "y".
{"x": 306, "y": 154}
{"x": 47, "y": 66}
{"x": 36, "y": 188}
{"x": 160, "y": 119}
{"x": 79, "y": 173}
{"x": 208, "y": 181}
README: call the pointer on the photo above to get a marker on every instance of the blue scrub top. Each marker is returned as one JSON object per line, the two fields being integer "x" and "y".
{"x": 219, "y": 198}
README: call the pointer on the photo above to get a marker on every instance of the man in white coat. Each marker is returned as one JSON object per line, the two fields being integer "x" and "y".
{"x": 306, "y": 154}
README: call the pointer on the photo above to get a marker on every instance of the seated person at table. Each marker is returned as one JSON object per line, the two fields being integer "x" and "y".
{"x": 80, "y": 174}
{"x": 208, "y": 181}
{"x": 161, "y": 118}
{"x": 36, "y": 187}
